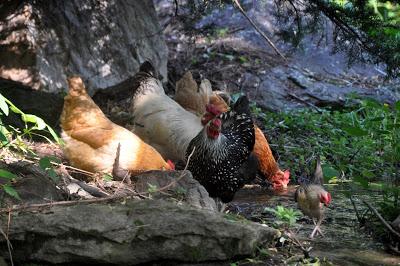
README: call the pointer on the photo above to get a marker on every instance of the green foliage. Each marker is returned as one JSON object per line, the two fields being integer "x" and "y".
{"x": 367, "y": 30}
{"x": 11, "y": 137}
{"x": 233, "y": 217}
{"x": 7, "y": 179}
{"x": 363, "y": 142}
{"x": 107, "y": 177}
{"x": 33, "y": 125}
{"x": 360, "y": 144}
{"x": 152, "y": 188}
{"x": 46, "y": 165}
{"x": 285, "y": 216}
{"x": 221, "y": 32}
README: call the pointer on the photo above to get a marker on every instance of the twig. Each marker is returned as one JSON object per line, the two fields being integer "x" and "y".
{"x": 258, "y": 29}
{"x": 176, "y": 7}
{"x": 355, "y": 209}
{"x": 35, "y": 159}
{"x": 88, "y": 201}
{"x": 127, "y": 175}
{"x": 94, "y": 191}
{"x": 296, "y": 241}
{"x": 9, "y": 246}
{"x": 182, "y": 174}
{"x": 383, "y": 221}
{"x": 305, "y": 102}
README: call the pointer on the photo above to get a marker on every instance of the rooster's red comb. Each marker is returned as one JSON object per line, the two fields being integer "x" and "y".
{"x": 212, "y": 109}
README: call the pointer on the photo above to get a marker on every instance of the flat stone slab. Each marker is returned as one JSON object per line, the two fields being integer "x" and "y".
{"x": 130, "y": 232}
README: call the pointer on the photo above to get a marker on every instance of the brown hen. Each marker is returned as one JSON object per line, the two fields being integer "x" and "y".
{"x": 94, "y": 143}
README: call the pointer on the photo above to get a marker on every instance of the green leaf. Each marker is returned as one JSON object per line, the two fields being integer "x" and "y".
{"x": 355, "y": 131}
{"x": 53, "y": 174}
{"x": 7, "y": 175}
{"x": 13, "y": 108}
{"x": 368, "y": 174}
{"x": 243, "y": 59}
{"x": 363, "y": 182}
{"x": 397, "y": 105}
{"x": 3, "y": 105}
{"x": 329, "y": 172}
{"x": 45, "y": 163}
{"x": 54, "y": 135}
{"x": 3, "y": 138}
{"x": 11, "y": 191}
{"x": 268, "y": 209}
{"x": 40, "y": 124}
{"x": 54, "y": 159}
{"x": 151, "y": 188}
{"x": 107, "y": 177}
{"x": 372, "y": 103}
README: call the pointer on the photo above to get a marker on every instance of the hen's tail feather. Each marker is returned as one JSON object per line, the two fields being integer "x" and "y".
{"x": 146, "y": 81}
{"x": 242, "y": 105}
{"x": 318, "y": 176}
{"x": 147, "y": 67}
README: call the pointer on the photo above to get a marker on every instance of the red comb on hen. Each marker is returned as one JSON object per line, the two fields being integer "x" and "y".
{"x": 217, "y": 122}
{"x": 326, "y": 199}
{"x": 280, "y": 180}
{"x": 171, "y": 164}
{"x": 211, "y": 112}
{"x": 212, "y": 109}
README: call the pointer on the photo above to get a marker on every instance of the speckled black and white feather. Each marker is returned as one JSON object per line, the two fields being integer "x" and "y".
{"x": 146, "y": 81}
{"x": 217, "y": 163}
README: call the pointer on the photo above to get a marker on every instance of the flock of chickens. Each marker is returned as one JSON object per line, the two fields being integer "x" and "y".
{"x": 218, "y": 143}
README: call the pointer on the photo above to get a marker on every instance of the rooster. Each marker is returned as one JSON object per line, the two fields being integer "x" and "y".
{"x": 222, "y": 161}
{"x": 267, "y": 163}
{"x": 94, "y": 143}
{"x": 311, "y": 198}
{"x": 159, "y": 120}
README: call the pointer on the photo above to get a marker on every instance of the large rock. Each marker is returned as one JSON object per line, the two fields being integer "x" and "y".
{"x": 181, "y": 185}
{"x": 237, "y": 58}
{"x": 130, "y": 232}
{"x": 42, "y": 42}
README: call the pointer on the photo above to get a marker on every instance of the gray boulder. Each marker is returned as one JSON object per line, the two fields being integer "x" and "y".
{"x": 130, "y": 232}
{"x": 43, "y": 42}
{"x": 181, "y": 186}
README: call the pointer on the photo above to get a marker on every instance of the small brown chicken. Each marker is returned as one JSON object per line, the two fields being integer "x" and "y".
{"x": 94, "y": 143}
{"x": 267, "y": 163}
{"x": 312, "y": 197}
{"x": 192, "y": 97}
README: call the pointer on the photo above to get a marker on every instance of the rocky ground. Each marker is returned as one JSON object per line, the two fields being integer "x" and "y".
{"x": 224, "y": 48}
{"x": 227, "y": 50}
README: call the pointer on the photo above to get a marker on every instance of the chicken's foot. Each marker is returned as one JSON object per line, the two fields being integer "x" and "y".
{"x": 317, "y": 229}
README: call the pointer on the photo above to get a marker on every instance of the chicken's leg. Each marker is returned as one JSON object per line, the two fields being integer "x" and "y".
{"x": 317, "y": 229}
